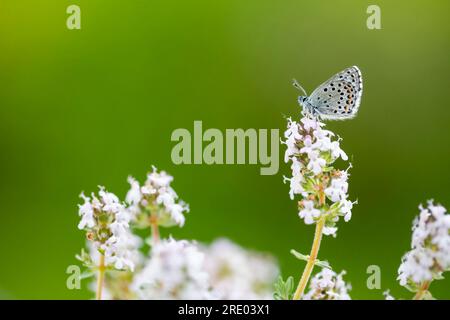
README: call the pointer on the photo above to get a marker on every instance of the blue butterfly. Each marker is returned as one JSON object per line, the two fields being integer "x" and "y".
{"x": 338, "y": 98}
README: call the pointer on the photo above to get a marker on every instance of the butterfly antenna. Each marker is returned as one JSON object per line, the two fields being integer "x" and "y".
{"x": 298, "y": 86}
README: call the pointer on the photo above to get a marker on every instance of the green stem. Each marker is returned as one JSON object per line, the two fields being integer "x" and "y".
{"x": 311, "y": 260}
{"x": 100, "y": 277}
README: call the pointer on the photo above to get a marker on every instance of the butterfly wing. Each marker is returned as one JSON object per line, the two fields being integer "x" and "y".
{"x": 339, "y": 97}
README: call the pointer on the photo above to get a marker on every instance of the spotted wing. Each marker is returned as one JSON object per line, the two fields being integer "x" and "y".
{"x": 339, "y": 97}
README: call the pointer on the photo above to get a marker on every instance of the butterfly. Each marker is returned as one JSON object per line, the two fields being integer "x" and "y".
{"x": 338, "y": 98}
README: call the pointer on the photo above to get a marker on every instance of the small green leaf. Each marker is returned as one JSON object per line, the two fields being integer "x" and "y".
{"x": 319, "y": 263}
{"x": 85, "y": 259}
{"x": 428, "y": 296}
{"x": 438, "y": 276}
{"x": 299, "y": 256}
{"x": 87, "y": 274}
{"x": 284, "y": 290}
{"x": 411, "y": 286}
{"x": 335, "y": 206}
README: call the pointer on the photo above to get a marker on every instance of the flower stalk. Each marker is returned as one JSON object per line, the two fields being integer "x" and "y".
{"x": 100, "y": 277}
{"x": 312, "y": 152}
{"x": 311, "y": 260}
{"x": 173, "y": 269}
{"x": 154, "y": 229}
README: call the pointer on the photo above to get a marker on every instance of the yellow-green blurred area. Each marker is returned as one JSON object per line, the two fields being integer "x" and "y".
{"x": 79, "y": 108}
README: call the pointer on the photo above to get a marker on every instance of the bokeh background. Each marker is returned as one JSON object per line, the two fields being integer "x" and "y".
{"x": 79, "y": 108}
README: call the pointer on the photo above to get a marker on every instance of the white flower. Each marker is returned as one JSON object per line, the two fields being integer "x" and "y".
{"x": 110, "y": 201}
{"x": 388, "y": 296}
{"x": 308, "y": 145}
{"x": 330, "y": 231}
{"x": 175, "y": 270}
{"x": 323, "y": 141}
{"x": 176, "y": 212}
{"x": 337, "y": 191}
{"x": 416, "y": 265}
{"x": 327, "y": 285}
{"x": 313, "y": 151}
{"x": 237, "y": 273}
{"x": 346, "y": 209}
{"x": 159, "y": 179}
{"x": 121, "y": 251}
{"x": 106, "y": 220}
{"x": 316, "y": 163}
{"x": 86, "y": 211}
{"x": 292, "y": 135}
{"x": 309, "y": 213}
{"x": 156, "y": 192}
{"x": 310, "y": 124}
{"x": 297, "y": 179}
{"x": 134, "y": 195}
{"x": 337, "y": 152}
{"x": 430, "y": 253}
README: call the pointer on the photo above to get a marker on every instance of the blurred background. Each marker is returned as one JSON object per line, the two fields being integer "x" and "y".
{"x": 79, "y": 108}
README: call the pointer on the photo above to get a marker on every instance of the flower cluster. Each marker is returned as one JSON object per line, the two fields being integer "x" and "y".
{"x": 237, "y": 273}
{"x": 327, "y": 285}
{"x": 312, "y": 153}
{"x": 222, "y": 270}
{"x": 155, "y": 201}
{"x": 175, "y": 270}
{"x": 429, "y": 256}
{"x": 171, "y": 269}
{"x": 106, "y": 222}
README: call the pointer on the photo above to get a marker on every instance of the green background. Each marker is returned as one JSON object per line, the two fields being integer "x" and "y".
{"x": 85, "y": 107}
